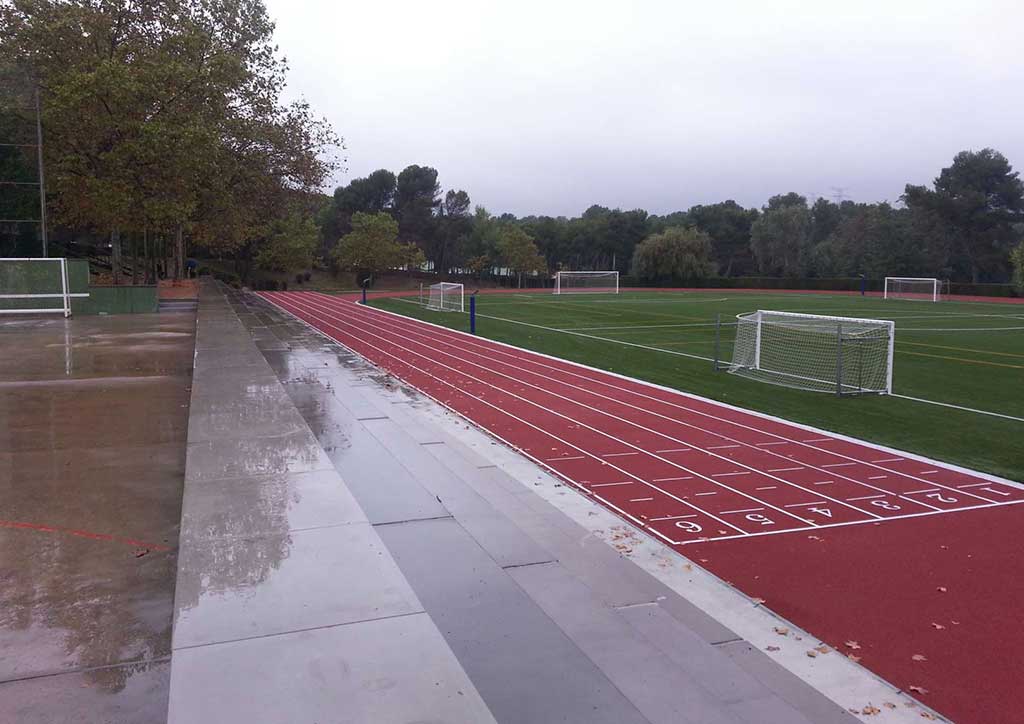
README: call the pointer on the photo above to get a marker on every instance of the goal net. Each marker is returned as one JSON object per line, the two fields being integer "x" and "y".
{"x": 842, "y": 355}
{"x": 30, "y": 285}
{"x": 923, "y": 289}
{"x": 584, "y": 282}
{"x": 446, "y": 297}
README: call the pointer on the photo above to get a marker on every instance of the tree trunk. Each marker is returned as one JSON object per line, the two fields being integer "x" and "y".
{"x": 179, "y": 254}
{"x": 147, "y": 278}
{"x": 115, "y": 255}
{"x": 135, "y": 260}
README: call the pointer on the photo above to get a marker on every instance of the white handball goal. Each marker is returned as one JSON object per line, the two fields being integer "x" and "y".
{"x": 446, "y": 297}
{"x": 587, "y": 282}
{"x": 36, "y": 285}
{"x": 841, "y": 355}
{"x": 924, "y": 289}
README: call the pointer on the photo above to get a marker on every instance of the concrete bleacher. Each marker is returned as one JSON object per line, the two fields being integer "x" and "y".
{"x": 345, "y": 557}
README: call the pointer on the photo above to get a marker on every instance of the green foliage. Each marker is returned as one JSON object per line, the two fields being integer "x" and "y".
{"x": 728, "y": 224}
{"x": 1017, "y": 259}
{"x": 289, "y": 245}
{"x": 678, "y": 254}
{"x": 416, "y": 200}
{"x": 781, "y": 237}
{"x": 518, "y": 251}
{"x": 373, "y": 247}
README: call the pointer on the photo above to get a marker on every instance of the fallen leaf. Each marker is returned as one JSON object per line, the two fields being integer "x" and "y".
{"x": 889, "y": 705}
{"x": 941, "y": 589}
{"x": 688, "y": 567}
{"x": 919, "y": 657}
{"x": 812, "y": 654}
{"x": 852, "y": 645}
{"x": 814, "y": 537}
{"x": 771, "y": 648}
{"x": 823, "y": 649}
{"x": 758, "y": 601}
{"x": 854, "y": 659}
{"x": 703, "y": 560}
{"x": 928, "y": 715}
{"x": 918, "y": 689}
{"x": 870, "y": 710}
{"x": 955, "y": 623}
{"x": 781, "y": 630}
{"x": 937, "y": 626}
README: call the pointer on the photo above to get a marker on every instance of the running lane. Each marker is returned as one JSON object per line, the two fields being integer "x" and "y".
{"x": 742, "y": 493}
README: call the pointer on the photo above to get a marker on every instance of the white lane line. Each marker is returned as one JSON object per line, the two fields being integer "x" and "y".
{"x": 767, "y": 487}
{"x": 711, "y": 493}
{"x": 928, "y": 472}
{"x": 678, "y": 477}
{"x": 673, "y": 517}
{"x": 608, "y": 485}
{"x": 889, "y": 460}
{"x": 619, "y": 454}
{"x": 824, "y": 482}
{"x": 725, "y": 475}
{"x": 777, "y": 442}
{"x": 639, "y": 500}
{"x": 867, "y": 497}
{"x": 819, "y": 439}
{"x": 801, "y": 505}
{"x": 744, "y": 510}
{"x": 568, "y": 457}
{"x": 675, "y": 449}
{"x": 837, "y": 465}
{"x": 721, "y": 447}
{"x": 881, "y": 477}
{"x": 783, "y": 470}
{"x": 926, "y": 490}
{"x": 975, "y": 485}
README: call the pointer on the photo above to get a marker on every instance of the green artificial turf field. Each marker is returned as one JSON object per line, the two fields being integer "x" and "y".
{"x": 958, "y": 353}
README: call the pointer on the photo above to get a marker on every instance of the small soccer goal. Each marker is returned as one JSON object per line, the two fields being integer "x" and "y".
{"x": 841, "y": 355}
{"x": 587, "y": 282}
{"x": 922, "y": 289}
{"x": 446, "y": 297}
{"x": 35, "y": 285}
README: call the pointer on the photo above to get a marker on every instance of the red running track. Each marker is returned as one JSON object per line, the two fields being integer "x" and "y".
{"x": 844, "y": 538}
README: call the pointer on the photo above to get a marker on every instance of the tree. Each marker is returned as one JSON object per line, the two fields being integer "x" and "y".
{"x": 678, "y": 254}
{"x": 728, "y": 224}
{"x": 289, "y": 245}
{"x": 416, "y": 201}
{"x": 1017, "y": 259}
{"x": 980, "y": 198}
{"x": 780, "y": 238}
{"x": 519, "y": 252}
{"x": 446, "y": 248}
{"x": 370, "y": 195}
{"x": 372, "y": 246}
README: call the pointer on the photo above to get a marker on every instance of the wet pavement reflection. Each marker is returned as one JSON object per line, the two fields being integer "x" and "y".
{"x": 93, "y": 422}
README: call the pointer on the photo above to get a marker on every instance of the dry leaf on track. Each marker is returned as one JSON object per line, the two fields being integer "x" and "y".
{"x": 917, "y": 689}
{"x": 771, "y": 648}
{"x": 919, "y": 657}
{"x": 823, "y": 649}
{"x": 812, "y": 654}
{"x": 941, "y": 589}
{"x": 854, "y": 659}
{"x": 937, "y": 626}
{"x": 870, "y": 710}
{"x": 852, "y": 645}
{"x": 781, "y": 630}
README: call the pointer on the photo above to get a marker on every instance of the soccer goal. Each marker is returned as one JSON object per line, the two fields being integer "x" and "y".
{"x": 446, "y": 297}
{"x": 923, "y": 289}
{"x": 35, "y": 285}
{"x": 587, "y": 282}
{"x": 841, "y": 355}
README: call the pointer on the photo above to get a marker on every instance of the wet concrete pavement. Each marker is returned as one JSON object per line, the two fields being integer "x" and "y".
{"x": 93, "y": 421}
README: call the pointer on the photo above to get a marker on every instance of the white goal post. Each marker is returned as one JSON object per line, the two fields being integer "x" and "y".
{"x": 587, "y": 282}
{"x": 841, "y": 355}
{"x": 20, "y": 277}
{"x": 925, "y": 289}
{"x": 446, "y": 297}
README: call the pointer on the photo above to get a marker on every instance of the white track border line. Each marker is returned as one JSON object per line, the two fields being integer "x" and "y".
{"x": 630, "y": 517}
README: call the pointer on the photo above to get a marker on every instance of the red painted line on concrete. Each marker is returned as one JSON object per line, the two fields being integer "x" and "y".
{"x": 572, "y": 419}
{"x": 42, "y": 528}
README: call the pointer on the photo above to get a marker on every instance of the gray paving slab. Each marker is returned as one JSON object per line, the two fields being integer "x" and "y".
{"x": 218, "y": 417}
{"x": 522, "y": 663}
{"x": 253, "y": 505}
{"x": 388, "y": 671}
{"x": 663, "y": 692}
{"x": 383, "y": 487}
{"x": 234, "y": 588}
{"x": 295, "y": 452}
{"x": 127, "y": 694}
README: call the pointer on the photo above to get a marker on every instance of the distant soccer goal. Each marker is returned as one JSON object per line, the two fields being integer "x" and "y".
{"x": 446, "y": 297}
{"x": 924, "y": 289}
{"x": 587, "y": 282}
{"x": 841, "y": 355}
{"x": 35, "y": 285}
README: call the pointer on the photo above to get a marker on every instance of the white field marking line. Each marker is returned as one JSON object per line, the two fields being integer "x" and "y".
{"x": 867, "y": 497}
{"x": 667, "y": 351}
{"x": 822, "y": 526}
{"x": 641, "y": 326}
{"x": 710, "y": 493}
{"x": 784, "y": 470}
{"x": 960, "y": 407}
{"x": 726, "y": 475}
{"x": 686, "y": 424}
{"x": 904, "y": 330}
{"x": 775, "y": 442}
{"x": 525, "y": 354}
{"x": 880, "y": 477}
{"x": 608, "y": 485}
{"x": 837, "y": 465}
{"x": 579, "y": 423}
{"x": 888, "y": 460}
{"x": 680, "y": 477}
{"x": 639, "y": 500}
{"x": 518, "y": 419}
{"x": 410, "y": 333}
{"x": 825, "y": 482}
{"x": 974, "y": 485}
{"x": 928, "y": 472}
{"x": 675, "y": 450}
{"x": 706, "y": 451}
{"x": 569, "y": 457}
{"x": 767, "y": 487}
{"x": 927, "y": 490}
{"x": 744, "y": 510}
{"x": 642, "y": 526}
{"x": 720, "y": 447}
{"x": 818, "y": 439}
{"x": 803, "y": 505}
{"x": 672, "y": 517}
{"x": 618, "y": 455}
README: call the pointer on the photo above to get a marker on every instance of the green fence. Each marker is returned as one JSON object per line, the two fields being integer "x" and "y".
{"x": 21, "y": 276}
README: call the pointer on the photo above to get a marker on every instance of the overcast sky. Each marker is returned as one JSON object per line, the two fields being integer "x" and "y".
{"x": 547, "y": 107}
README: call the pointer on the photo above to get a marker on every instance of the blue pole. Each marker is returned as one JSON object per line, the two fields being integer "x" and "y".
{"x": 364, "y": 295}
{"x": 863, "y": 284}
{"x": 472, "y": 314}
